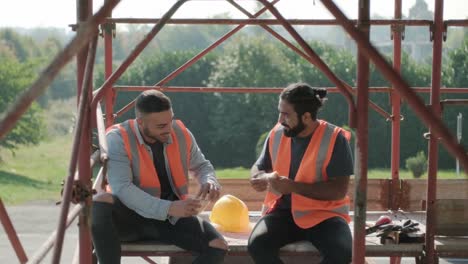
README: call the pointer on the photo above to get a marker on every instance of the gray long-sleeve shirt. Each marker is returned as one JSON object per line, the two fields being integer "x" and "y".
{"x": 120, "y": 176}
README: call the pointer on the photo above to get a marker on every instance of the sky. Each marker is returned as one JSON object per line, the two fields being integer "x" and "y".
{"x": 61, "y": 13}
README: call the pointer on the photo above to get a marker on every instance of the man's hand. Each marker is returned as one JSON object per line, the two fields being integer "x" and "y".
{"x": 184, "y": 208}
{"x": 208, "y": 190}
{"x": 260, "y": 181}
{"x": 280, "y": 184}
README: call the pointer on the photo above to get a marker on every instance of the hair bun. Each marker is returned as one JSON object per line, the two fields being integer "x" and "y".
{"x": 320, "y": 92}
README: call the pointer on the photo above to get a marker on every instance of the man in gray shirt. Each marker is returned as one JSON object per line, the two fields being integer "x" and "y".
{"x": 150, "y": 158}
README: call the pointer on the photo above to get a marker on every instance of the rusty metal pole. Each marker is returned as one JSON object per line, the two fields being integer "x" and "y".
{"x": 79, "y": 149}
{"x": 108, "y": 31}
{"x": 286, "y": 42}
{"x": 11, "y": 233}
{"x": 433, "y": 139}
{"x": 417, "y": 104}
{"x": 360, "y": 201}
{"x": 318, "y": 62}
{"x": 193, "y": 60}
{"x": 84, "y": 11}
{"x": 396, "y": 107}
{"x": 84, "y": 164}
{"x": 134, "y": 53}
{"x": 47, "y": 76}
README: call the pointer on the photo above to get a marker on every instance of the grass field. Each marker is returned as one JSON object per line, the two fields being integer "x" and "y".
{"x": 36, "y": 172}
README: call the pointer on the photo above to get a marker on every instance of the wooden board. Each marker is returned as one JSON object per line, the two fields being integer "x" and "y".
{"x": 451, "y": 217}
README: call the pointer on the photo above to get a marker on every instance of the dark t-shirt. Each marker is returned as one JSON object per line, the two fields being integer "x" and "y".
{"x": 160, "y": 165}
{"x": 341, "y": 161}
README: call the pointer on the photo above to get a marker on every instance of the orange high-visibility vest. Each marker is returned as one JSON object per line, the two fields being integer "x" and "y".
{"x": 307, "y": 212}
{"x": 145, "y": 175}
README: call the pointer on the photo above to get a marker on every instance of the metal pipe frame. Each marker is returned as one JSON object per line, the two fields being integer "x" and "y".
{"x": 360, "y": 194}
{"x": 78, "y": 153}
{"x": 317, "y": 61}
{"x": 396, "y": 113}
{"x": 82, "y": 38}
{"x": 430, "y": 118}
{"x": 197, "y": 89}
{"x": 85, "y": 68}
{"x": 110, "y": 93}
{"x": 454, "y": 102}
{"x": 11, "y": 233}
{"x": 88, "y": 29}
{"x": 303, "y": 22}
{"x": 196, "y": 58}
{"x": 433, "y": 148}
{"x": 134, "y": 54}
{"x": 426, "y": 115}
{"x": 377, "y": 108}
{"x": 229, "y": 34}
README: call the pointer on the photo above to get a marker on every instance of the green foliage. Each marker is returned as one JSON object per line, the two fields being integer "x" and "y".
{"x": 417, "y": 164}
{"x": 233, "y": 173}
{"x": 260, "y": 144}
{"x": 459, "y": 65}
{"x": 237, "y": 120}
{"x": 14, "y": 78}
{"x": 37, "y": 53}
{"x": 60, "y": 117}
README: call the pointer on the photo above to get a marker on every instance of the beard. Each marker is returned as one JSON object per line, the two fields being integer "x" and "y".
{"x": 163, "y": 138}
{"x": 292, "y": 132}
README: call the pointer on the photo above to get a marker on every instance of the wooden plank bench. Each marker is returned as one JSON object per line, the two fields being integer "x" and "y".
{"x": 299, "y": 252}
{"x": 451, "y": 228}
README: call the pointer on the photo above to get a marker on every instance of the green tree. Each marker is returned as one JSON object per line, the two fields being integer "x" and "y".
{"x": 458, "y": 69}
{"x": 15, "y": 77}
{"x": 238, "y": 120}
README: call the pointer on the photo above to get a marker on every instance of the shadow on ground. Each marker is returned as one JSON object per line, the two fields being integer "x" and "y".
{"x": 16, "y": 179}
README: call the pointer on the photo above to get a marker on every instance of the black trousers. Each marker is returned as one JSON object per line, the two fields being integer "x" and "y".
{"x": 115, "y": 223}
{"x": 332, "y": 238}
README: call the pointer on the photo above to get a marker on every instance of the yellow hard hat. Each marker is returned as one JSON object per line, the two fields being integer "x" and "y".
{"x": 230, "y": 214}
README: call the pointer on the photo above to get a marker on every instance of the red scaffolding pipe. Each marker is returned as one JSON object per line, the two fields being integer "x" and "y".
{"x": 253, "y": 21}
{"x": 40, "y": 85}
{"x": 108, "y": 31}
{"x": 396, "y": 113}
{"x": 134, "y": 54}
{"x": 306, "y": 57}
{"x": 81, "y": 135}
{"x": 403, "y": 88}
{"x": 396, "y": 105}
{"x": 360, "y": 198}
{"x": 317, "y": 62}
{"x": 11, "y": 233}
{"x": 433, "y": 140}
{"x": 197, "y": 57}
{"x": 200, "y": 89}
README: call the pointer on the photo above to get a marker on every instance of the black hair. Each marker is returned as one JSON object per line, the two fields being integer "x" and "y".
{"x": 304, "y": 98}
{"x": 152, "y": 101}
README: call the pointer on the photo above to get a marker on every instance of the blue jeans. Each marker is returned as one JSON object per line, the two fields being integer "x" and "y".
{"x": 332, "y": 238}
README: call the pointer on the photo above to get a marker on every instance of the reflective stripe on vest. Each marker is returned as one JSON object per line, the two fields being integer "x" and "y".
{"x": 307, "y": 212}
{"x": 177, "y": 156}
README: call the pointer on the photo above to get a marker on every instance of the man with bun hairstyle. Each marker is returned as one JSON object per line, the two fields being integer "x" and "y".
{"x": 305, "y": 167}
